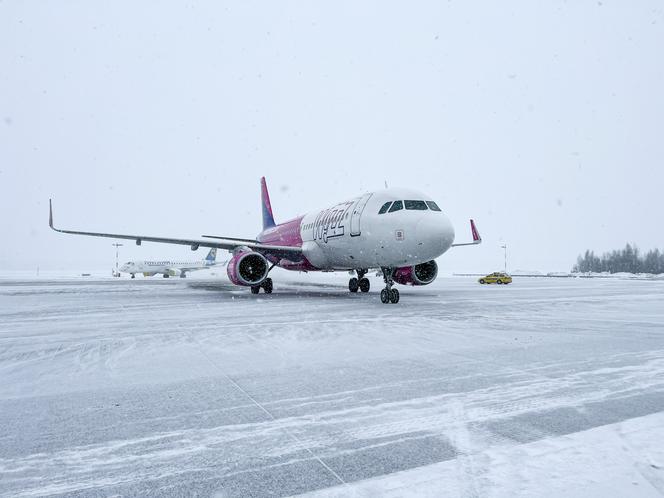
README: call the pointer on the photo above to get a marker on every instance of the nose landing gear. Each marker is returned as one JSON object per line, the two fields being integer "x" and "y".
{"x": 388, "y": 294}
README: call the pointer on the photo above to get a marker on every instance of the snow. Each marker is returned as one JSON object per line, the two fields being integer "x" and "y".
{"x": 175, "y": 387}
{"x": 623, "y": 459}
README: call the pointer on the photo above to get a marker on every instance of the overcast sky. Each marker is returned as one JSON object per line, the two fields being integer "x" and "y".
{"x": 544, "y": 121}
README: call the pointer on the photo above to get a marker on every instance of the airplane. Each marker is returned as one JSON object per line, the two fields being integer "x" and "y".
{"x": 169, "y": 268}
{"x": 399, "y": 231}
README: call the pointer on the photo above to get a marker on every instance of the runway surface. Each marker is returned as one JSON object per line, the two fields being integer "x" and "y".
{"x": 194, "y": 387}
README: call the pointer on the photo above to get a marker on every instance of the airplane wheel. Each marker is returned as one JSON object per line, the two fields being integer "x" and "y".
{"x": 267, "y": 286}
{"x": 365, "y": 285}
{"x": 353, "y": 285}
{"x": 482, "y": 281}
{"x": 394, "y": 296}
{"x": 384, "y": 296}
{"x": 133, "y": 276}
{"x": 255, "y": 289}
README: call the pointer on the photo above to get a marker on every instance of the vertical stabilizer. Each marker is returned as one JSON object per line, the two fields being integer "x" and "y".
{"x": 268, "y": 217}
{"x": 212, "y": 256}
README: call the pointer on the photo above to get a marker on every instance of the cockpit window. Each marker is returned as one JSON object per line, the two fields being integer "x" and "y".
{"x": 385, "y": 207}
{"x": 398, "y": 205}
{"x": 416, "y": 205}
{"x": 433, "y": 206}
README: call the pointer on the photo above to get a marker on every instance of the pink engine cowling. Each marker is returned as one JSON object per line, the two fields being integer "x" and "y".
{"x": 247, "y": 268}
{"x": 422, "y": 274}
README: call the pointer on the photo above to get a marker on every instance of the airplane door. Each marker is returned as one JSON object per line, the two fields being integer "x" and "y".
{"x": 357, "y": 214}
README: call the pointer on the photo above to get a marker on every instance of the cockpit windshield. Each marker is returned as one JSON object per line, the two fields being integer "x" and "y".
{"x": 416, "y": 205}
{"x": 410, "y": 205}
{"x": 396, "y": 206}
{"x": 385, "y": 207}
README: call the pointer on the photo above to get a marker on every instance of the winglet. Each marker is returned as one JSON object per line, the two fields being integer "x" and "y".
{"x": 476, "y": 235}
{"x": 50, "y": 214}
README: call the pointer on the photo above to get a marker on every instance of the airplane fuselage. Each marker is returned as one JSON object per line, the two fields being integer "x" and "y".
{"x": 357, "y": 234}
{"x": 155, "y": 267}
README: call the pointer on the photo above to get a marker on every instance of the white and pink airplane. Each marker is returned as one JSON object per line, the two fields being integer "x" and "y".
{"x": 399, "y": 231}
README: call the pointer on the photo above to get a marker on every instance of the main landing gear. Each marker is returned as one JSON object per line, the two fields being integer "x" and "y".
{"x": 266, "y": 285}
{"x": 360, "y": 282}
{"x": 388, "y": 294}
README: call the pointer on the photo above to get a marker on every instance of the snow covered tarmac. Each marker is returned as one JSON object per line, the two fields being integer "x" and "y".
{"x": 181, "y": 387}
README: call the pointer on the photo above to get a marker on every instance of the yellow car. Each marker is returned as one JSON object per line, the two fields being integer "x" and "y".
{"x": 496, "y": 277}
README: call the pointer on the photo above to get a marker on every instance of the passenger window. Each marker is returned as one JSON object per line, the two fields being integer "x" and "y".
{"x": 397, "y": 206}
{"x": 385, "y": 207}
{"x": 433, "y": 206}
{"x": 416, "y": 205}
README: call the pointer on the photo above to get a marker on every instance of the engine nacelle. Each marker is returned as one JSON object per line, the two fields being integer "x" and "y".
{"x": 422, "y": 274}
{"x": 247, "y": 268}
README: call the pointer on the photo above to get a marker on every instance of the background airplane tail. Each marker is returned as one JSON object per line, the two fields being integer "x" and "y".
{"x": 268, "y": 217}
{"x": 212, "y": 256}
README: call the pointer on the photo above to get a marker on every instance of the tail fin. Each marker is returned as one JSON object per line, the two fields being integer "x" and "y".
{"x": 212, "y": 256}
{"x": 268, "y": 217}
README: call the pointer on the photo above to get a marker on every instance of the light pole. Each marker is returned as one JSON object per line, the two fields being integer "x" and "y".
{"x": 117, "y": 246}
{"x": 504, "y": 246}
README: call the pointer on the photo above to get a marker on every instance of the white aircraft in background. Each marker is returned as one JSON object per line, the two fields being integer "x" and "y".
{"x": 169, "y": 268}
{"x": 400, "y": 231}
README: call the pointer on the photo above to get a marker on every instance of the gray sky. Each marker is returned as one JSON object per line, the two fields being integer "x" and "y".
{"x": 542, "y": 120}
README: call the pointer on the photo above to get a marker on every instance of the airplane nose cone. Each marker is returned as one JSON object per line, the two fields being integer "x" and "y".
{"x": 436, "y": 233}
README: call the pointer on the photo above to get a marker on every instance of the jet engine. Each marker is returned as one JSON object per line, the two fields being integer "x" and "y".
{"x": 247, "y": 268}
{"x": 422, "y": 274}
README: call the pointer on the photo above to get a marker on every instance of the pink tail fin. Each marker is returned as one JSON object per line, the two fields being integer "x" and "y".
{"x": 268, "y": 217}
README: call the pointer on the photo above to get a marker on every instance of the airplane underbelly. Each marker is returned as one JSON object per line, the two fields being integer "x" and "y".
{"x": 341, "y": 253}
{"x": 376, "y": 246}
{"x": 315, "y": 254}
{"x": 335, "y": 254}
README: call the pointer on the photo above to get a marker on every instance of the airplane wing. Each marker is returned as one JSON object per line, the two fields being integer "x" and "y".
{"x": 476, "y": 236}
{"x": 293, "y": 253}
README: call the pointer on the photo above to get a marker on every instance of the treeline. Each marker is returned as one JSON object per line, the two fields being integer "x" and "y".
{"x": 628, "y": 260}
